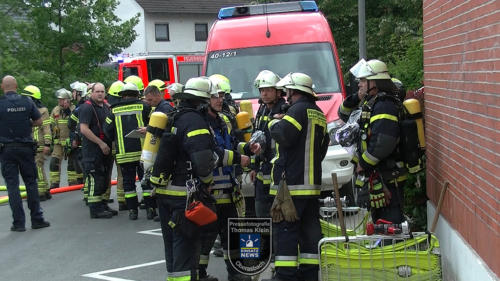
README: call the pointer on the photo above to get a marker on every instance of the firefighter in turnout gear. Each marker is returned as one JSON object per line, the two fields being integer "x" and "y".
{"x": 378, "y": 158}
{"x": 136, "y": 80}
{"x": 225, "y": 189}
{"x": 42, "y": 136}
{"x": 271, "y": 103}
{"x": 96, "y": 152}
{"x": 114, "y": 97}
{"x": 79, "y": 91}
{"x": 186, "y": 160}
{"x": 302, "y": 140}
{"x": 80, "y": 94}
{"x": 60, "y": 134}
{"x": 126, "y": 116}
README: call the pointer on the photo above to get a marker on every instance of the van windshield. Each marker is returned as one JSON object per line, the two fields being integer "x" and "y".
{"x": 241, "y": 66}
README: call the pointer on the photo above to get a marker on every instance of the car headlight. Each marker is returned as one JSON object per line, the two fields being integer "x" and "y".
{"x": 332, "y": 127}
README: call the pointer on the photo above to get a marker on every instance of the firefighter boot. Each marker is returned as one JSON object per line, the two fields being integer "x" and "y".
{"x": 107, "y": 208}
{"x": 97, "y": 211}
{"x": 133, "y": 214}
{"x": 151, "y": 213}
{"x": 122, "y": 206}
{"x": 208, "y": 278}
{"x": 150, "y": 207}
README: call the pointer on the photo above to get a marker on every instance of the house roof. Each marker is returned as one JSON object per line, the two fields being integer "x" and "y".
{"x": 188, "y": 6}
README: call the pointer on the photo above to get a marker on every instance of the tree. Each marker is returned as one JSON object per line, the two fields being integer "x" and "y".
{"x": 393, "y": 35}
{"x": 62, "y": 40}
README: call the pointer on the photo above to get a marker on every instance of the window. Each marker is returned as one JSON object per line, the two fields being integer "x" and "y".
{"x": 161, "y": 32}
{"x": 200, "y": 31}
{"x": 128, "y": 71}
{"x": 158, "y": 69}
{"x": 242, "y": 65}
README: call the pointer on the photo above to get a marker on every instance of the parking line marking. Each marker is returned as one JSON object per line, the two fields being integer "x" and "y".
{"x": 99, "y": 275}
{"x": 155, "y": 232}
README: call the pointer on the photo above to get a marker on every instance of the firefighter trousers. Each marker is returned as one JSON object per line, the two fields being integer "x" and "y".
{"x": 263, "y": 201}
{"x": 303, "y": 234}
{"x": 98, "y": 176}
{"x": 55, "y": 167}
{"x": 129, "y": 171}
{"x": 394, "y": 211}
{"x": 41, "y": 175}
{"x": 182, "y": 248}
{"x": 209, "y": 234}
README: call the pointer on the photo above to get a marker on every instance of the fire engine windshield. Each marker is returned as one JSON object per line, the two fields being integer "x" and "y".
{"x": 241, "y": 66}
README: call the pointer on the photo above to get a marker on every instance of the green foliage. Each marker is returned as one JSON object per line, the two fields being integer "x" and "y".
{"x": 393, "y": 35}
{"x": 52, "y": 45}
{"x": 415, "y": 201}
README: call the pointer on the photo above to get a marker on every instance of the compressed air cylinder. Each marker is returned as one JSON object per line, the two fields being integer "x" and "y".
{"x": 246, "y": 105}
{"x": 157, "y": 124}
{"x": 413, "y": 107}
{"x": 244, "y": 124}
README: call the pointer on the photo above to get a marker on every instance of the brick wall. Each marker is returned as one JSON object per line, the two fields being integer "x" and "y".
{"x": 462, "y": 118}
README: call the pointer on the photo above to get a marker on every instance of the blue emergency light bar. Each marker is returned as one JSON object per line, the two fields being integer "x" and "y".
{"x": 271, "y": 8}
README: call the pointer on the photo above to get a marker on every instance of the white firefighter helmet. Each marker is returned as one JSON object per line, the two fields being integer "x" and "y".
{"x": 298, "y": 81}
{"x": 129, "y": 87}
{"x": 80, "y": 87}
{"x": 63, "y": 94}
{"x": 222, "y": 82}
{"x": 371, "y": 70}
{"x": 266, "y": 79}
{"x": 196, "y": 88}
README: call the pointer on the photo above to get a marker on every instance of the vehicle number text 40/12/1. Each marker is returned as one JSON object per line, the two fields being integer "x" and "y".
{"x": 221, "y": 55}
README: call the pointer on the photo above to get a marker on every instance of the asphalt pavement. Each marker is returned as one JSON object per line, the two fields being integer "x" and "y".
{"x": 76, "y": 247}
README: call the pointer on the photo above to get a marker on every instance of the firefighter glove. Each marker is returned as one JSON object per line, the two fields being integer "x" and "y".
{"x": 377, "y": 196}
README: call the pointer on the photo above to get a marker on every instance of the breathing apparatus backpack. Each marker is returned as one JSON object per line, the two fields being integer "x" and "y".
{"x": 411, "y": 139}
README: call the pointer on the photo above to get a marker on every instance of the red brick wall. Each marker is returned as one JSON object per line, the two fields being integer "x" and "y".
{"x": 462, "y": 118}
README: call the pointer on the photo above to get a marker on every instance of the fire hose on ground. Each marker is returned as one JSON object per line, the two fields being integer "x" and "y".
{"x": 5, "y": 199}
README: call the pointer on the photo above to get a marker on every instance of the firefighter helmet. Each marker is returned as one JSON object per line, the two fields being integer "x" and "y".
{"x": 222, "y": 81}
{"x": 129, "y": 88}
{"x": 196, "y": 88}
{"x": 32, "y": 91}
{"x": 158, "y": 84}
{"x": 266, "y": 79}
{"x": 401, "y": 90}
{"x": 370, "y": 70}
{"x": 136, "y": 80}
{"x": 218, "y": 85}
{"x": 79, "y": 87}
{"x": 298, "y": 81}
{"x": 175, "y": 88}
{"x": 115, "y": 88}
{"x": 63, "y": 94}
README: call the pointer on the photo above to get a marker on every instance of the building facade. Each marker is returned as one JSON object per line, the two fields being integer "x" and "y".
{"x": 169, "y": 27}
{"x": 462, "y": 118}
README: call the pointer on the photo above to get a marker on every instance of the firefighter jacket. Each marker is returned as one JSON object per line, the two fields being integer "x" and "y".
{"x": 126, "y": 116}
{"x": 263, "y": 163}
{"x": 302, "y": 141}
{"x": 224, "y": 176}
{"x": 59, "y": 121}
{"x": 378, "y": 145}
{"x": 73, "y": 121}
{"x": 187, "y": 133}
{"x": 42, "y": 135}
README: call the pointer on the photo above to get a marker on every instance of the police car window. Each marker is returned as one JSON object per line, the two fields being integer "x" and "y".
{"x": 241, "y": 66}
{"x": 158, "y": 69}
{"x": 127, "y": 71}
